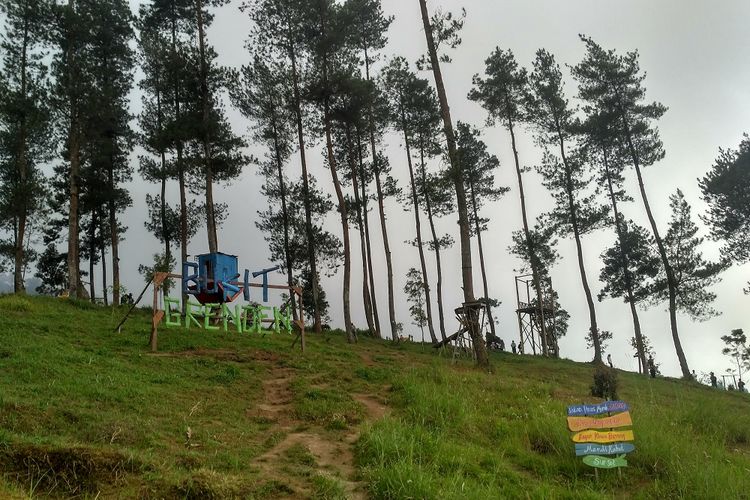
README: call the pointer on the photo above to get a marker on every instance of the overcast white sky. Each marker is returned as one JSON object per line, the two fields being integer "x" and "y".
{"x": 695, "y": 54}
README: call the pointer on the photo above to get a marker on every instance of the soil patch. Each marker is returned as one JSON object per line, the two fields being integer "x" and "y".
{"x": 68, "y": 471}
{"x": 223, "y": 355}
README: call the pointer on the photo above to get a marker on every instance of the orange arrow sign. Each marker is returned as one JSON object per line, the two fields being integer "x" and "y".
{"x": 603, "y": 437}
{"x": 581, "y": 423}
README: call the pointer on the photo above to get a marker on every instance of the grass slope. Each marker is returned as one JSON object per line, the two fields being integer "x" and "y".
{"x": 86, "y": 413}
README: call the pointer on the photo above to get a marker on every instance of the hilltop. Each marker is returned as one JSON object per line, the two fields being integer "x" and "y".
{"x": 88, "y": 413}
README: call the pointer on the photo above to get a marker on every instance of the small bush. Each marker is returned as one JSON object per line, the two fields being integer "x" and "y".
{"x": 229, "y": 374}
{"x": 605, "y": 383}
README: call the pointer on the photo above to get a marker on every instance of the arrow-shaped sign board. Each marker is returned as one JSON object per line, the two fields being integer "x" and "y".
{"x": 604, "y": 449}
{"x": 602, "y": 437}
{"x": 605, "y": 463}
{"x": 618, "y": 420}
{"x": 597, "y": 409}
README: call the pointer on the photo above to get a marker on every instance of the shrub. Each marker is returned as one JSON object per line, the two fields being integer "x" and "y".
{"x": 605, "y": 383}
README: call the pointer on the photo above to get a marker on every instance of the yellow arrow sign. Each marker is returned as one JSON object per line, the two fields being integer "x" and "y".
{"x": 602, "y": 437}
{"x": 581, "y": 423}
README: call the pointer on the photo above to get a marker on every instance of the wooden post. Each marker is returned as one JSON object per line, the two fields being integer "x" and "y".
{"x": 157, "y": 315}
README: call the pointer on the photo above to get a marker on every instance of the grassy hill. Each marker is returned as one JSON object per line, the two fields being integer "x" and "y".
{"x": 87, "y": 413}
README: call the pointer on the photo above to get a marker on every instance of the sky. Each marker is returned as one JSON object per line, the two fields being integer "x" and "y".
{"x": 694, "y": 53}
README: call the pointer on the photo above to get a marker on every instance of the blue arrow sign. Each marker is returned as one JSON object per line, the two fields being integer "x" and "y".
{"x": 597, "y": 409}
{"x": 604, "y": 449}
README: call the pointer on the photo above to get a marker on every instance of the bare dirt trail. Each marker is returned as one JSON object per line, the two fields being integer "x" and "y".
{"x": 333, "y": 455}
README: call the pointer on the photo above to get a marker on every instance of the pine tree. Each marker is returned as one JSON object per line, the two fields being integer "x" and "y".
{"x": 280, "y": 26}
{"x": 446, "y": 30}
{"x": 72, "y": 71}
{"x": 108, "y": 136}
{"x": 693, "y": 275}
{"x": 738, "y": 349}
{"x": 368, "y": 34}
{"x": 612, "y": 87}
{"x": 24, "y": 124}
{"x": 630, "y": 266}
{"x": 331, "y": 60}
{"x": 405, "y": 89}
{"x": 545, "y": 256}
{"x": 261, "y": 97}
{"x": 434, "y": 188}
{"x": 631, "y": 261}
{"x": 414, "y": 290}
{"x": 168, "y": 27}
{"x": 219, "y": 151}
{"x": 576, "y": 210}
{"x": 479, "y": 167}
{"x": 327, "y": 245}
{"x": 157, "y": 109}
{"x": 726, "y": 190}
{"x": 501, "y": 93}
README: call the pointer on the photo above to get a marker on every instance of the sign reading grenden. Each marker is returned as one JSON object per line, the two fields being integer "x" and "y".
{"x": 598, "y": 430}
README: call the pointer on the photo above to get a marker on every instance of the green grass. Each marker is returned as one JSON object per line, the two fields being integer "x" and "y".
{"x": 87, "y": 412}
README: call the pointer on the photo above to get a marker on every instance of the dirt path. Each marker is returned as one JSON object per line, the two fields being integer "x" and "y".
{"x": 328, "y": 455}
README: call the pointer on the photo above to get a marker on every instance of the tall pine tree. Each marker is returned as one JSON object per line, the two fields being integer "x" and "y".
{"x": 24, "y": 124}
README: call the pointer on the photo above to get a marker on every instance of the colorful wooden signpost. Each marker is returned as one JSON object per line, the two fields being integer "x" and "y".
{"x": 598, "y": 430}
{"x": 598, "y": 409}
{"x": 580, "y": 423}
{"x": 602, "y": 437}
{"x": 604, "y": 449}
{"x": 605, "y": 463}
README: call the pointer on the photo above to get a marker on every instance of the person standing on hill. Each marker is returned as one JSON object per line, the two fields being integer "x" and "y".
{"x": 513, "y": 346}
{"x": 741, "y": 386}
{"x": 714, "y": 383}
{"x": 609, "y": 361}
{"x": 651, "y": 366}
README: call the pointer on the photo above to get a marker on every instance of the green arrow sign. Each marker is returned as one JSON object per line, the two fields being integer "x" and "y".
{"x": 604, "y": 462}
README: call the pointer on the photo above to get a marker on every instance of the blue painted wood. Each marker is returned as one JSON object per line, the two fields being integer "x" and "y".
{"x": 604, "y": 449}
{"x": 597, "y": 409}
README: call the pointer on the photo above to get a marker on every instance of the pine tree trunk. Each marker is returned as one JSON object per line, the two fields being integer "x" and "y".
{"x": 418, "y": 231}
{"x": 529, "y": 243}
{"x": 183, "y": 220}
{"x": 285, "y": 221}
{"x": 162, "y": 154}
{"x": 478, "y": 230}
{"x": 365, "y": 216}
{"x": 388, "y": 257}
{"x": 75, "y": 167}
{"x": 358, "y": 206}
{"x": 457, "y": 174}
{"x": 383, "y": 225}
{"x": 436, "y": 247}
{"x": 163, "y": 212}
{"x": 92, "y": 257}
{"x": 332, "y": 164}
{"x": 312, "y": 255}
{"x": 115, "y": 239}
{"x": 22, "y": 169}
{"x": 180, "y": 165}
{"x": 594, "y": 327}
{"x": 104, "y": 274}
{"x": 213, "y": 240}
{"x": 671, "y": 282}
{"x": 625, "y": 265}
{"x": 366, "y": 220}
